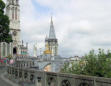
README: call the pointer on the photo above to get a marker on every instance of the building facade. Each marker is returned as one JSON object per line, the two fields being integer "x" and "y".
{"x": 35, "y": 50}
{"x": 16, "y": 47}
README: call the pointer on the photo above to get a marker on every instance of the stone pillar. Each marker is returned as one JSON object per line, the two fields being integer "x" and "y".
{"x": 1, "y": 50}
{"x": 10, "y": 49}
{"x": 45, "y": 79}
{"x": 28, "y": 76}
{"x": 23, "y": 76}
{"x": 38, "y": 80}
{"x": 58, "y": 80}
{"x": 53, "y": 66}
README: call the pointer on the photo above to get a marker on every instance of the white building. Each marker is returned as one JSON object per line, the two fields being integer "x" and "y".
{"x": 16, "y": 47}
{"x": 35, "y": 50}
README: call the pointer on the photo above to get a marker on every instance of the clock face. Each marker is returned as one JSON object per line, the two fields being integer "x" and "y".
{"x": 14, "y": 33}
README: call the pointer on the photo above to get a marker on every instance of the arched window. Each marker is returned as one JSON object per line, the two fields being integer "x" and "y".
{"x": 16, "y": 13}
{"x": 13, "y": 13}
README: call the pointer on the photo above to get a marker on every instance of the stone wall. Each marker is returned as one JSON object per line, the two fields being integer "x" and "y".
{"x": 31, "y": 77}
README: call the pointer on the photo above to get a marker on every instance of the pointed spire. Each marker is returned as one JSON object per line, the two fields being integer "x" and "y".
{"x": 52, "y": 31}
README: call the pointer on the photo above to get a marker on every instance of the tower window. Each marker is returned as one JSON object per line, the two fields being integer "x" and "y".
{"x": 16, "y": 13}
{"x": 12, "y": 13}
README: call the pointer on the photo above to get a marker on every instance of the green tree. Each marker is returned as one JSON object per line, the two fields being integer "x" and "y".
{"x": 4, "y": 25}
{"x": 92, "y": 64}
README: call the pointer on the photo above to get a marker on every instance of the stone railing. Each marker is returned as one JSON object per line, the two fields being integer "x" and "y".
{"x": 31, "y": 77}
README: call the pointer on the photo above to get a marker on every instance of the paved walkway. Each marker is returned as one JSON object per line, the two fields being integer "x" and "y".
{"x": 4, "y": 81}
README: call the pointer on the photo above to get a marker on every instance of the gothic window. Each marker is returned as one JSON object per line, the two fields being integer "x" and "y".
{"x": 16, "y": 13}
{"x": 13, "y": 13}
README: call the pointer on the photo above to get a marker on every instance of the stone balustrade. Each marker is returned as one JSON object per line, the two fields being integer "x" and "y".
{"x": 33, "y": 77}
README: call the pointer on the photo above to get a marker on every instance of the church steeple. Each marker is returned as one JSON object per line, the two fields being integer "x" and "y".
{"x": 13, "y": 12}
{"x": 52, "y": 40}
{"x": 52, "y": 31}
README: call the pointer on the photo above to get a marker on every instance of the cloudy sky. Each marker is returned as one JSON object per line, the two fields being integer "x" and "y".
{"x": 80, "y": 25}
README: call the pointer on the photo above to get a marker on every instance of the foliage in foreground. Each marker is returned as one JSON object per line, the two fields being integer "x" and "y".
{"x": 91, "y": 64}
{"x": 4, "y": 25}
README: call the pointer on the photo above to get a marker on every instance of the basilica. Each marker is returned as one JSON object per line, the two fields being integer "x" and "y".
{"x": 49, "y": 60}
{"x": 16, "y": 47}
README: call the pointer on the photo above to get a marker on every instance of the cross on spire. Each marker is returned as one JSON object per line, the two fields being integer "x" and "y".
{"x": 52, "y": 31}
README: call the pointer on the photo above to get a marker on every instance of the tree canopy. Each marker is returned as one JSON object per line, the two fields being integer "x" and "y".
{"x": 92, "y": 64}
{"x": 4, "y": 25}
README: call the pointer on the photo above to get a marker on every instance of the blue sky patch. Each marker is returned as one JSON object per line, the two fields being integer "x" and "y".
{"x": 40, "y": 8}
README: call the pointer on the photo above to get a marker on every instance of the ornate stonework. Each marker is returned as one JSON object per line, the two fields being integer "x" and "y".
{"x": 16, "y": 47}
{"x": 52, "y": 40}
